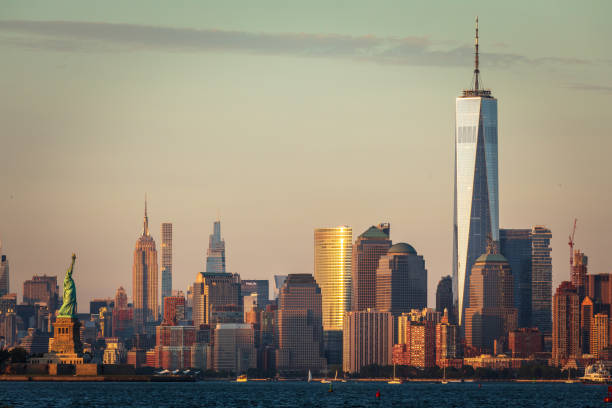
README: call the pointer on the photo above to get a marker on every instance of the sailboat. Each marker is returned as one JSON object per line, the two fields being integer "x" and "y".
{"x": 444, "y": 377}
{"x": 309, "y": 376}
{"x": 394, "y": 380}
{"x": 336, "y": 376}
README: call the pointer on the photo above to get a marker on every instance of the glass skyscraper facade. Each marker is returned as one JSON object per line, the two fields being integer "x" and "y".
{"x": 541, "y": 279}
{"x": 476, "y": 212}
{"x": 215, "y": 256}
{"x": 515, "y": 245}
{"x": 166, "y": 261}
{"x": 332, "y": 271}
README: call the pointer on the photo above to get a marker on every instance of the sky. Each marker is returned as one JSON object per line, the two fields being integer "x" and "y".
{"x": 279, "y": 117}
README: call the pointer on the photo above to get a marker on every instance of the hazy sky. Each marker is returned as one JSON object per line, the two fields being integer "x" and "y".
{"x": 286, "y": 116}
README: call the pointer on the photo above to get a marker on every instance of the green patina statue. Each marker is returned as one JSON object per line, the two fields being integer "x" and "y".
{"x": 69, "y": 307}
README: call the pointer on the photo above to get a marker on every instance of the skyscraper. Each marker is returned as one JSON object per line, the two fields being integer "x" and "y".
{"x": 215, "y": 291}
{"x": 41, "y": 289}
{"x": 491, "y": 314}
{"x": 144, "y": 279}
{"x": 367, "y": 250}
{"x": 541, "y": 279}
{"x": 299, "y": 325}
{"x": 215, "y": 256}
{"x": 476, "y": 212}
{"x": 166, "y": 261}
{"x": 515, "y": 245}
{"x": 4, "y": 273}
{"x": 599, "y": 333}
{"x": 401, "y": 280}
{"x": 368, "y": 339}
{"x": 332, "y": 271}
{"x": 259, "y": 286}
{"x": 586, "y": 317}
{"x": 579, "y": 272}
{"x": 444, "y": 296}
{"x": 566, "y": 324}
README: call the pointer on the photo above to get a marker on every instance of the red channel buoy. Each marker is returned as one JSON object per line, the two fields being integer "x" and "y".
{"x": 377, "y": 394}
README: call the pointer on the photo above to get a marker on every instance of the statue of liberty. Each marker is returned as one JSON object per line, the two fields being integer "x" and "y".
{"x": 69, "y": 307}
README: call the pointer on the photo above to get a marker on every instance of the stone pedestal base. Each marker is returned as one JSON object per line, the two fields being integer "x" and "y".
{"x": 66, "y": 336}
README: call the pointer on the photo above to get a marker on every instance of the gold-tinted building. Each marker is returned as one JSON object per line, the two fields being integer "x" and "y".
{"x": 332, "y": 271}
{"x": 599, "y": 333}
{"x": 144, "y": 274}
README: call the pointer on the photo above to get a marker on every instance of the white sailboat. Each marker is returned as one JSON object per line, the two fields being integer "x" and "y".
{"x": 394, "y": 380}
{"x": 309, "y": 376}
{"x": 444, "y": 377}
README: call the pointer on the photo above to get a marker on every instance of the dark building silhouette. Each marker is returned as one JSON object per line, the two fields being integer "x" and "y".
{"x": 444, "y": 297}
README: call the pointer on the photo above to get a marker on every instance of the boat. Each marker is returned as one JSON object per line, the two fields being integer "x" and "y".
{"x": 242, "y": 378}
{"x": 325, "y": 381}
{"x": 394, "y": 380}
{"x": 444, "y": 381}
{"x": 596, "y": 374}
{"x": 309, "y": 376}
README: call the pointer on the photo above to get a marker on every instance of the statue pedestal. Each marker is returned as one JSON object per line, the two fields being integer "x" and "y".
{"x": 66, "y": 336}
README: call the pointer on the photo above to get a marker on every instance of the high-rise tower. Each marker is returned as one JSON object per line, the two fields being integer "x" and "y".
{"x": 215, "y": 256}
{"x": 476, "y": 183}
{"x": 144, "y": 276}
{"x": 332, "y": 271}
{"x": 367, "y": 250}
{"x": 166, "y": 261}
{"x": 4, "y": 273}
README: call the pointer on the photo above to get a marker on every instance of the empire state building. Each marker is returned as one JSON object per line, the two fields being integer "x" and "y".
{"x": 144, "y": 275}
{"x": 476, "y": 213}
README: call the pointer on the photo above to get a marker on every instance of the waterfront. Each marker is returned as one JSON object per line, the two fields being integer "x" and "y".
{"x": 299, "y": 394}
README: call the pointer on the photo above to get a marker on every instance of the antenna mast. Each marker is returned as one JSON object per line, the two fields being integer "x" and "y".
{"x": 476, "y": 70}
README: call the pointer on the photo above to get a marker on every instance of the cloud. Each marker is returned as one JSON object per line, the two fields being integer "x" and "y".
{"x": 73, "y": 36}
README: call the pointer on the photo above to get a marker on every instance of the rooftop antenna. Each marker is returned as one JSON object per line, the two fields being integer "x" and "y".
{"x": 476, "y": 70}
{"x": 146, "y": 219}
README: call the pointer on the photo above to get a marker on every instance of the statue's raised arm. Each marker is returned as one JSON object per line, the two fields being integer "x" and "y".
{"x": 69, "y": 306}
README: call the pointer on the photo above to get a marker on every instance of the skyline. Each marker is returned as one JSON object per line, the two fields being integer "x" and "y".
{"x": 73, "y": 171}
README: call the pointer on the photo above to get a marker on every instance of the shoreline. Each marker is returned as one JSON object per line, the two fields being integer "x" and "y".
{"x": 151, "y": 378}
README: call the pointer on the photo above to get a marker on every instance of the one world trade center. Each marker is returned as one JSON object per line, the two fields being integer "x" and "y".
{"x": 476, "y": 214}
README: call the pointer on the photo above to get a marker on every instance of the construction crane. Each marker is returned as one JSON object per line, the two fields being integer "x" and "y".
{"x": 571, "y": 244}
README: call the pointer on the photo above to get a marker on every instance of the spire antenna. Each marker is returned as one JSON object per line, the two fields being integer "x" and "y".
{"x": 476, "y": 70}
{"x": 146, "y": 219}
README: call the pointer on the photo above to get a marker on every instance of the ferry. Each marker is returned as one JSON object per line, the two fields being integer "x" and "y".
{"x": 596, "y": 374}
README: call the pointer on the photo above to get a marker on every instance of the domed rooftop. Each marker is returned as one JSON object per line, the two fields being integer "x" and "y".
{"x": 491, "y": 258}
{"x": 402, "y": 248}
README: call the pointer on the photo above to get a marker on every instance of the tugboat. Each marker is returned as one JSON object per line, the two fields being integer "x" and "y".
{"x": 242, "y": 378}
{"x": 596, "y": 374}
